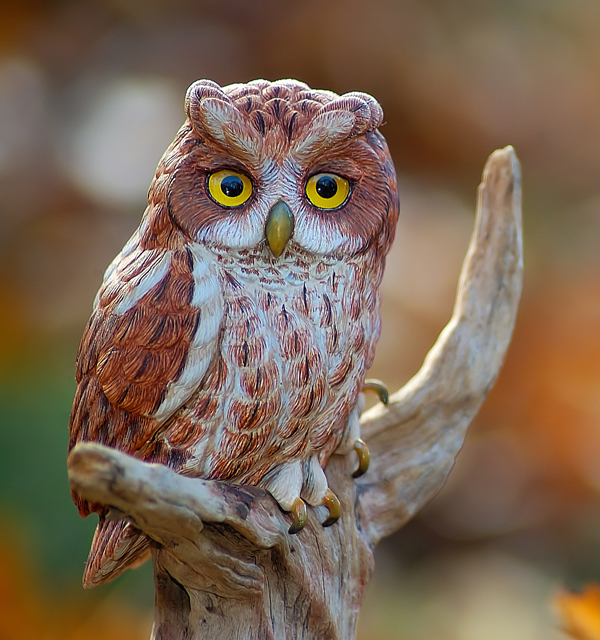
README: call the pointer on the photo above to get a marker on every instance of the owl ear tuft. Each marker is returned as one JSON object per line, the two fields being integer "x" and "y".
{"x": 214, "y": 115}
{"x": 347, "y": 116}
{"x": 368, "y": 115}
{"x": 199, "y": 91}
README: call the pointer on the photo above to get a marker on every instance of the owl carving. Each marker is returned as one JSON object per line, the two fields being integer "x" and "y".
{"x": 231, "y": 335}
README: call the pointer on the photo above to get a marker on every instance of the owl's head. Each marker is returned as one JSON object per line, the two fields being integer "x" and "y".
{"x": 277, "y": 167}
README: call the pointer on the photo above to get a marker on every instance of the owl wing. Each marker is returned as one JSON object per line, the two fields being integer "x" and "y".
{"x": 148, "y": 345}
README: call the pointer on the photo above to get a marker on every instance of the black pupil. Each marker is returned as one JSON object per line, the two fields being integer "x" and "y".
{"x": 326, "y": 187}
{"x": 232, "y": 186}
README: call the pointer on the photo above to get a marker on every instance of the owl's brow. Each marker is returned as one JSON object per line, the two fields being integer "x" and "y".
{"x": 332, "y": 152}
{"x": 345, "y": 165}
{"x": 210, "y": 154}
{"x": 329, "y": 129}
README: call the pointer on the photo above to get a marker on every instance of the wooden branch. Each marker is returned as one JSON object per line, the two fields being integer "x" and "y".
{"x": 414, "y": 441}
{"x": 243, "y": 575}
{"x": 225, "y": 565}
{"x": 162, "y": 503}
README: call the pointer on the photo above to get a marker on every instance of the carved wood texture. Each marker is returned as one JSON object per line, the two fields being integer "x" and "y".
{"x": 225, "y": 565}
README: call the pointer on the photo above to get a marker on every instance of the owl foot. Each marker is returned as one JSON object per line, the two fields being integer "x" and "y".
{"x": 299, "y": 516}
{"x": 379, "y": 388}
{"x": 335, "y": 509}
{"x": 364, "y": 457}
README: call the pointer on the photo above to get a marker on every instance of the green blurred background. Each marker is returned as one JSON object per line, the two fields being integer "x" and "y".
{"x": 91, "y": 93}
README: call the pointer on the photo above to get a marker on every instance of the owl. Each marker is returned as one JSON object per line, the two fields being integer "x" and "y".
{"x": 230, "y": 337}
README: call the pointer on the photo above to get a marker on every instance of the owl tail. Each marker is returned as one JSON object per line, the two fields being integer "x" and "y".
{"x": 116, "y": 547}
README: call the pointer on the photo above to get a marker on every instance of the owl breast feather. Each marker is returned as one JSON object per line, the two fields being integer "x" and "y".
{"x": 295, "y": 343}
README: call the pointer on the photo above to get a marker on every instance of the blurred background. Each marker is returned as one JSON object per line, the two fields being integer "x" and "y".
{"x": 91, "y": 93}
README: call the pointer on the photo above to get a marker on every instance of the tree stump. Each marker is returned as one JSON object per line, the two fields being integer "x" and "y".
{"x": 225, "y": 565}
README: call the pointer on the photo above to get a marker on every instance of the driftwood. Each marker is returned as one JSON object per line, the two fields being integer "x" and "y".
{"x": 225, "y": 565}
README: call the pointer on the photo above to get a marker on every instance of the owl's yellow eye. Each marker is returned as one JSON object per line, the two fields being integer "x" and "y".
{"x": 327, "y": 190}
{"x": 229, "y": 188}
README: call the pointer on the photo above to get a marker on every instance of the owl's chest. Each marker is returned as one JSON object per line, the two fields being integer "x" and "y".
{"x": 299, "y": 326}
{"x": 291, "y": 359}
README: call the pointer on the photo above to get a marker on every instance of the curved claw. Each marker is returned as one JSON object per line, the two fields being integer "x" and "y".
{"x": 299, "y": 516}
{"x": 364, "y": 457}
{"x": 335, "y": 508}
{"x": 379, "y": 388}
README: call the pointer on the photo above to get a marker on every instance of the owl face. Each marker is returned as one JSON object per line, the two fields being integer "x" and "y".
{"x": 246, "y": 148}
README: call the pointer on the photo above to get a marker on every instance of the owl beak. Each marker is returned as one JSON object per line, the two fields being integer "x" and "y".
{"x": 279, "y": 227}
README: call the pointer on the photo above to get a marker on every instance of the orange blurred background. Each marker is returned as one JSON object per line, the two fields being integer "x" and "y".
{"x": 91, "y": 93}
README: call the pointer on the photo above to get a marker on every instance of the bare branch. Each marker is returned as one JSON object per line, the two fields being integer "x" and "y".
{"x": 224, "y": 563}
{"x": 163, "y": 503}
{"x": 414, "y": 441}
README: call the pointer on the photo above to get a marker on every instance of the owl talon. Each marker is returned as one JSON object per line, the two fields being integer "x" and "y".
{"x": 364, "y": 457}
{"x": 335, "y": 509}
{"x": 379, "y": 388}
{"x": 299, "y": 516}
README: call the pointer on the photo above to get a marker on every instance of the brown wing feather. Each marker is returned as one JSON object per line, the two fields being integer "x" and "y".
{"x": 116, "y": 547}
{"x": 126, "y": 361}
